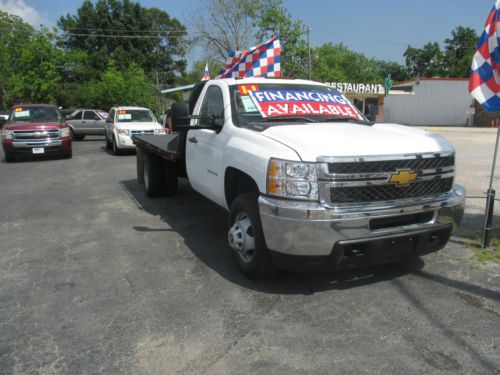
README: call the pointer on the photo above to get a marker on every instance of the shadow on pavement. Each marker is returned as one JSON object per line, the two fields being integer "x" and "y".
{"x": 202, "y": 224}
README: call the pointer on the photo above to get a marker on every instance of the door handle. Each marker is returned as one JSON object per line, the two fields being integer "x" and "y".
{"x": 193, "y": 140}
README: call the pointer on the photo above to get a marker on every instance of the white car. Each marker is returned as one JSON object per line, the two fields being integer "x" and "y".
{"x": 125, "y": 122}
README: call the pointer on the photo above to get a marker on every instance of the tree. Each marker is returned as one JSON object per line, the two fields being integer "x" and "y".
{"x": 13, "y": 37}
{"x": 224, "y": 25}
{"x": 125, "y": 32}
{"x": 425, "y": 62}
{"x": 274, "y": 19}
{"x": 129, "y": 86}
{"x": 336, "y": 63}
{"x": 459, "y": 50}
{"x": 397, "y": 71}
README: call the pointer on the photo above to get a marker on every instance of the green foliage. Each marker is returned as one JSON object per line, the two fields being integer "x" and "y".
{"x": 337, "y": 63}
{"x": 428, "y": 61}
{"x": 397, "y": 71}
{"x": 455, "y": 61}
{"x": 459, "y": 50}
{"x": 129, "y": 86}
{"x": 148, "y": 37}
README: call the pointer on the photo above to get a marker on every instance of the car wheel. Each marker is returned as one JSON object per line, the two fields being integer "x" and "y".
{"x": 109, "y": 145}
{"x": 79, "y": 137}
{"x": 9, "y": 158}
{"x": 68, "y": 154}
{"x": 153, "y": 176}
{"x": 246, "y": 238}
{"x": 170, "y": 178}
{"x": 116, "y": 149}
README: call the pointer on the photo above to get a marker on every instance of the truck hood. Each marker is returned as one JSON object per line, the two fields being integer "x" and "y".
{"x": 33, "y": 125}
{"x": 138, "y": 125}
{"x": 346, "y": 139}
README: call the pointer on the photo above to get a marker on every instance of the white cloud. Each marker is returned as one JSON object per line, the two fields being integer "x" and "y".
{"x": 23, "y": 10}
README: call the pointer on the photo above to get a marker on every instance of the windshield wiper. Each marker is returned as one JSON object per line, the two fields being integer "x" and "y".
{"x": 345, "y": 119}
{"x": 284, "y": 119}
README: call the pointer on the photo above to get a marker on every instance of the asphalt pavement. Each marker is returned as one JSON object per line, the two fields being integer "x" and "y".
{"x": 96, "y": 278}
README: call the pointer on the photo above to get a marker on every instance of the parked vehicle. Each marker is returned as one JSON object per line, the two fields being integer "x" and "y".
{"x": 86, "y": 122}
{"x": 35, "y": 129}
{"x": 124, "y": 122}
{"x": 309, "y": 183}
{"x": 3, "y": 118}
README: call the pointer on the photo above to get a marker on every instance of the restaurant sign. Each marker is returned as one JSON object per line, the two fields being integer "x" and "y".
{"x": 357, "y": 88}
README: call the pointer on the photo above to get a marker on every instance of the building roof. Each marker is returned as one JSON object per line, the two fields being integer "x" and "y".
{"x": 430, "y": 79}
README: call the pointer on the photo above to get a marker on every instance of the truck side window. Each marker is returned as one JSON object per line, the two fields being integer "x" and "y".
{"x": 90, "y": 115}
{"x": 77, "y": 116}
{"x": 212, "y": 108}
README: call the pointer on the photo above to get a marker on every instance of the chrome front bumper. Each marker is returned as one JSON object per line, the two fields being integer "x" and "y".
{"x": 36, "y": 143}
{"x": 313, "y": 229}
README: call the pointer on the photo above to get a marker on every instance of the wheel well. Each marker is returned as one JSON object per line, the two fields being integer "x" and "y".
{"x": 237, "y": 182}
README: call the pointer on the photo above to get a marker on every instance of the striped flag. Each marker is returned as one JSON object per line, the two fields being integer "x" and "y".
{"x": 263, "y": 60}
{"x": 206, "y": 73}
{"x": 484, "y": 84}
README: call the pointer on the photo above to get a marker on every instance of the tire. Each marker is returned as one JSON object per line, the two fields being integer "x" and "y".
{"x": 109, "y": 145}
{"x": 153, "y": 176}
{"x": 245, "y": 231}
{"x": 68, "y": 155}
{"x": 170, "y": 178}
{"x": 116, "y": 150}
{"x": 76, "y": 137}
{"x": 9, "y": 158}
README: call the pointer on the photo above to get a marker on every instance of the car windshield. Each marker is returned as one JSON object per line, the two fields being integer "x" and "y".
{"x": 134, "y": 115}
{"x": 264, "y": 105}
{"x": 32, "y": 114}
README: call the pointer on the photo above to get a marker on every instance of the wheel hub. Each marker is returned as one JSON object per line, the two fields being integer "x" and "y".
{"x": 241, "y": 237}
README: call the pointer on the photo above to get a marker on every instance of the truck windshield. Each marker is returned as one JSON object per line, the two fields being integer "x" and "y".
{"x": 278, "y": 103}
{"x": 35, "y": 114}
{"x": 134, "y": 115}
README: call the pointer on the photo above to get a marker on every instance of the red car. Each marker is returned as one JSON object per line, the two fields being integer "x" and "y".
{"x": 35, "y": 129}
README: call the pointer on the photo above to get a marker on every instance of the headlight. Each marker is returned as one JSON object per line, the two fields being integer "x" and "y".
{"x": 7, "y": 134}
{"x": 159, "y": 131}
{"x": 64, "y": 132}
{"x": 289, "y": 179}
{"x": 121, "y": 131}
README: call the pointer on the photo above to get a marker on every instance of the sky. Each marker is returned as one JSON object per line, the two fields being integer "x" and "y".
{"x": 381, "y": 29}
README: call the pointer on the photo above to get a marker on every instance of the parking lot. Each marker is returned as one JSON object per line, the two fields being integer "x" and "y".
{"x": 97, "y": 278}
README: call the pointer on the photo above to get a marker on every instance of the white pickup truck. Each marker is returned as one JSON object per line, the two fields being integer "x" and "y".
{"x": 308, "y": 182}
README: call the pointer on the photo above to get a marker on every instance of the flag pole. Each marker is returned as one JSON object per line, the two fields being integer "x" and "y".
{"x": 490, "y": 200}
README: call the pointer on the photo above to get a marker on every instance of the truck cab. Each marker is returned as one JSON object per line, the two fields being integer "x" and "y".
{"x": 309, "y": 182}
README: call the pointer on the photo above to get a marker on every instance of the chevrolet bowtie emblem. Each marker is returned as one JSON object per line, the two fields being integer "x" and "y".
{"x": 403, "y": 177}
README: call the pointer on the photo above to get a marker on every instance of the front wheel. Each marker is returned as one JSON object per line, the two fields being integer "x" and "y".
{"x": 9, "y": 158}
{"x": 246, "y": 238}
{"x": 108, "y": 142}
{"x": 116, "y": 150}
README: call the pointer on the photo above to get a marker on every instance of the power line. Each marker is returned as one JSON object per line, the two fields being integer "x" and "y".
{"x": 126, "y": 36}
{"x": 128, "y": 31}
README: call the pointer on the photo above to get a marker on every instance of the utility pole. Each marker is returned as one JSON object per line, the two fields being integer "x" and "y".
{"x": 309, "y": 50}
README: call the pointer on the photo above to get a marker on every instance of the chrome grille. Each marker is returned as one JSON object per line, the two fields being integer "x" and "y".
{"x": 350, "y": 180}
{"x": 141, "y": 132}
{"x": 376, "y": 193}
{"x": 380, "y": 166}
{"x": 36, "y": 135}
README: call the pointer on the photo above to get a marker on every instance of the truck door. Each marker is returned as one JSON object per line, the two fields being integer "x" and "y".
{"x": 205, "y": 147}
{"x": 90, "y": 122}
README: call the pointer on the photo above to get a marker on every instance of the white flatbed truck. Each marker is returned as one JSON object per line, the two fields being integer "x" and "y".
{"x": 308, "y": 182}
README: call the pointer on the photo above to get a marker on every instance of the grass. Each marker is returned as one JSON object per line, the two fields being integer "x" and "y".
{"x": 489, "y": 254}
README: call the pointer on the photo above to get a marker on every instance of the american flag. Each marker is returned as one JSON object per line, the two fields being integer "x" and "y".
{"x": 206, "y": 73}
{"x": 263, "y": 60}
{"x": 484, "y": 84}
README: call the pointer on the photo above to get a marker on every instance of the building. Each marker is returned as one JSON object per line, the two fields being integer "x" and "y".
{"x": 434, "y": 101}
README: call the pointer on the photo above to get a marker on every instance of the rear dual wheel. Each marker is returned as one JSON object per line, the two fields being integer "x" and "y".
{"x": 160, "y": 177}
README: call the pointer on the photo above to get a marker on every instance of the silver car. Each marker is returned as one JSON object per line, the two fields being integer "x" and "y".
{"x": 86, "y": 122}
